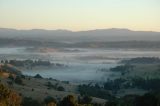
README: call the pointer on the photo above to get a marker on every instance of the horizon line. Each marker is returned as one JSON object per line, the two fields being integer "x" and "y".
{"x": 61, "y": 29}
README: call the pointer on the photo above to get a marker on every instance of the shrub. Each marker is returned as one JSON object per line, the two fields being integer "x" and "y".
{"x": 38, "y": 76}
{"x": 8, "y": 97}
{"x": 4, "y": 92}
{"x": 28, "y": 101}
{"x": 86, "y": 100}
{"x": 111, "y": 103}
{"x": 68, "y": 101}
{"x": 23, "y": 76}
{"x": 147, "y": 100}
{"x": 60, "y": 88}
{"x": 18, "y": 80}
{"x": 50, "y": 100}
{"x": 94, "y": 91}
{"x": 11, "y": 77}
{"x": 50, "y": 85}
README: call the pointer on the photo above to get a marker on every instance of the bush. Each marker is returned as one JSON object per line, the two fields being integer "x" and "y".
{"x": 147, "y": 100}
{"x": 11, "y": 77}
{"x": 60, "y": 88}
{"x": 86, "y": 100}
{"x": 68, "y": 101}
{"x": 50, "y": 100}
{"x": 50, "y": 85}
{"x": 23, "y": 76}
{"x": 4, "y": 92}
{"x": 19, "y": 81}
{"x": 111, "y": 103}
{"x": 38, "y": 76}
{"x": 28, "y": 101}
{"x": 8, "y": 97}
{"x": 94, "y": 91}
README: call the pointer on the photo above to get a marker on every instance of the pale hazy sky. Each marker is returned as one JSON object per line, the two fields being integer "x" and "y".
{"x": 80, "y": 14}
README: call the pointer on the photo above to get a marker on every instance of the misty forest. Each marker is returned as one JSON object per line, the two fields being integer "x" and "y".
{"x": 69, "y": 71}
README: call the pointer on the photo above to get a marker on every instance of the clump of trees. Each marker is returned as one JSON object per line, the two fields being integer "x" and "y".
{"x": 68, "y": 101}
{"x": 71, "y": 101}
{"x": 54, "y": 86}
{"x": 114, "y": 85}
{"x": 18, "y": 80}
{"x": 11, "y": 77}
{"x": 142, "y": 60}
{"x": 51, "y": 86}
{"x": 147, "y": 84}
{"x": 123, "y": 69}
{"x": 10, "y": 69}
{"x": 38, "y": 76}
{"x": 50, "y": 101}
{"x": 28, "y": 101}
{"x": 29, "y": 64}
{"x": 137, "y": 82}
{"x": 60, "y": 88}
{"x": 94, "y": 91}
{"x": 8, "y": 97}
{"x": 148, "y": 99}
{"x": 84, "y": 99}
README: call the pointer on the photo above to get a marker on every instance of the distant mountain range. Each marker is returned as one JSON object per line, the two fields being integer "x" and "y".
{"x": 100, "y": 35}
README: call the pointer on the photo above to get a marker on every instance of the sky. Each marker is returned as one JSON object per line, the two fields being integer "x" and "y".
{"x": 78, "y": 15}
